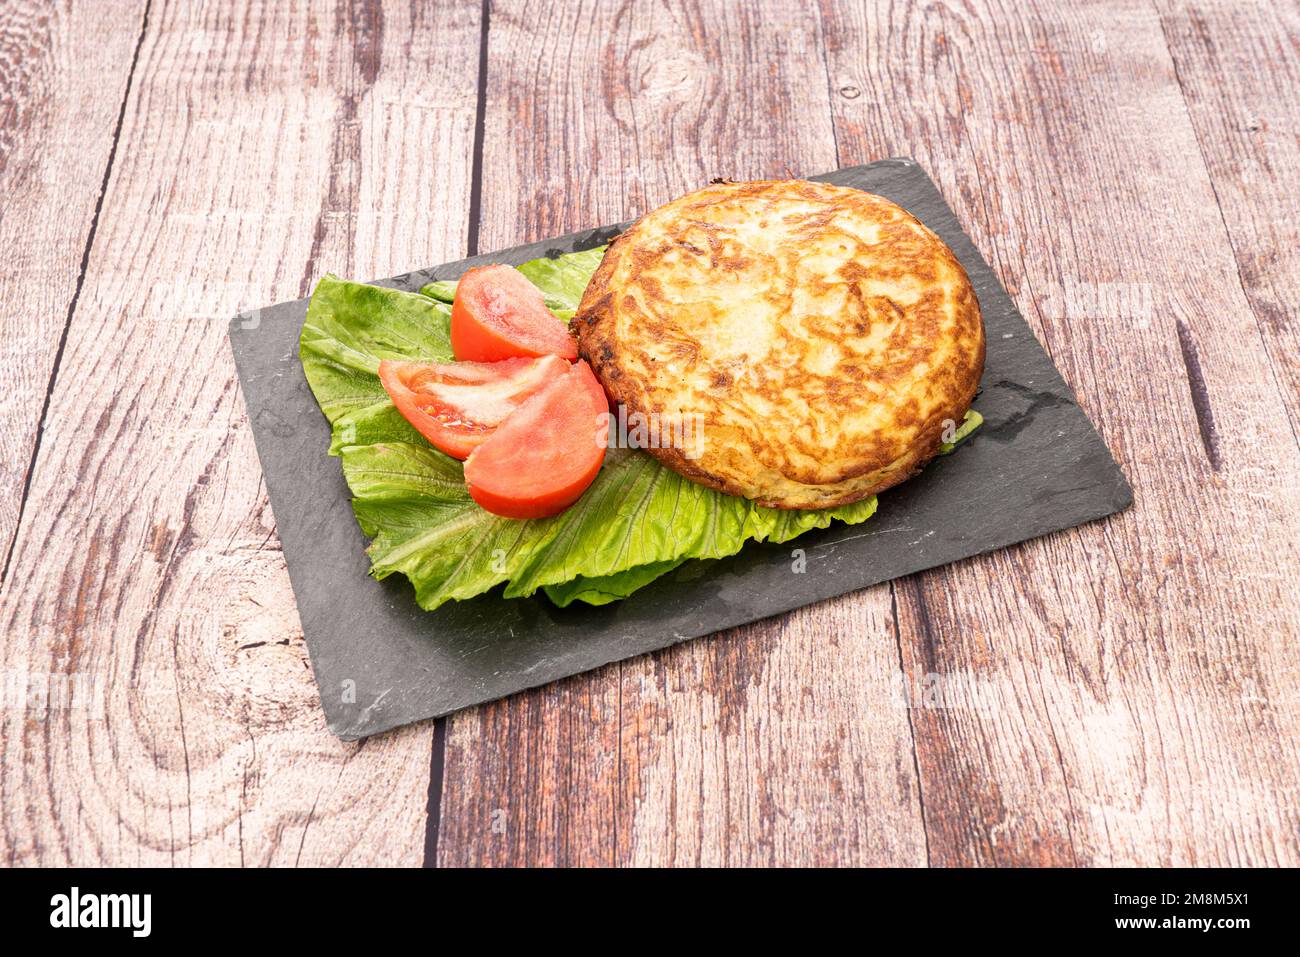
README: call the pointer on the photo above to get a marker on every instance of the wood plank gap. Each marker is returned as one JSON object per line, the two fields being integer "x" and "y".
{"x": 480, "y": 114}
{"x": 437, "y": 756}
{"x": 1183, "y": 334}
{"x": 830, "y": 86}
{"x": 76, "y": 296}
{"x": 911, "y": 730}
{"x": 1200, "y": 394}
{"x": 618, "y": 780}
{"x": 438, "y": 752}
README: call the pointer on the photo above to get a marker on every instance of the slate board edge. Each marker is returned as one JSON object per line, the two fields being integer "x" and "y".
{"x": 351, "y": 730}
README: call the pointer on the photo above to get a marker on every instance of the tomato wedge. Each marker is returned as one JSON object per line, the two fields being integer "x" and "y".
{"x": 546, "y": 454}
{"x": 457, "y": 405}
{"x": 498, "y": 314}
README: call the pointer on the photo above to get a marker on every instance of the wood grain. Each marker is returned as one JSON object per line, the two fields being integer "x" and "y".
{"x": 763, "y": 745}
{"x": 1127, "y": 693}
{"x": 1141, "y": 698}
{"x": 1238, "y": 66}
{"x": 1133, "y": 704}
{"x": 263, "y": 144}
{"x": 61, "y": 85}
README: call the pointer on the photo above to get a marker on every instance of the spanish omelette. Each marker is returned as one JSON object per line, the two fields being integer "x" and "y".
{"x": 822, "y": 336}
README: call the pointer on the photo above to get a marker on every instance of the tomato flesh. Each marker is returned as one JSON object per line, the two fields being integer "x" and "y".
{"x": 498, "y": 314}
{"x": 458, "y": 405}
{"x": 542, "y": 458}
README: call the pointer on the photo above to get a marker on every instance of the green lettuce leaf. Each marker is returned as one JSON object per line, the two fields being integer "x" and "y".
{"x": 562, "y": 280}
{"x": 603, "y": 589}
{"x": 444, "y": 290}
{"x": 636, "y": 517}
{"x": 969, "y": 424}
{"x": 637, "y": 521}
{"x": 350, "y": 326}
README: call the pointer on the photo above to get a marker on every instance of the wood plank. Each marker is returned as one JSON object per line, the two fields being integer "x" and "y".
{"x": 63, "y": 77}
{"x": 773, "y": 743}
{"x": 1238, "y": 66}
{"x": 264, "y": 143}
{"x": 1139, "y": 686}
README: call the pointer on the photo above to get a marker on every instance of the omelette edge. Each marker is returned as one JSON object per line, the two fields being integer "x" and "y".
{"x": 595, "y": 326}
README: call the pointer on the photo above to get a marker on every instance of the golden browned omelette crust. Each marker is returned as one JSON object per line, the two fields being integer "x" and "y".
{"x": 821, "y": 336}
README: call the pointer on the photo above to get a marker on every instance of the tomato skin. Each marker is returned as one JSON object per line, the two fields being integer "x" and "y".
{"x": 541, "y": 459}
{"x": 458, "y": 405}
{"x": 498, "y": 314}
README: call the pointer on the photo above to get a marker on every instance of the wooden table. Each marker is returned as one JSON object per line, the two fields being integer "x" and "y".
{"x": 1127, "y": 166}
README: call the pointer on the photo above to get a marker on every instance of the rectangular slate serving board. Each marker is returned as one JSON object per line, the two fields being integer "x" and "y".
{"x": 1036, "y": 466}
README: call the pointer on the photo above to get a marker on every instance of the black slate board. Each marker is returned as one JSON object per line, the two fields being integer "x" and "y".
{"x": 1036, "y": 466}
